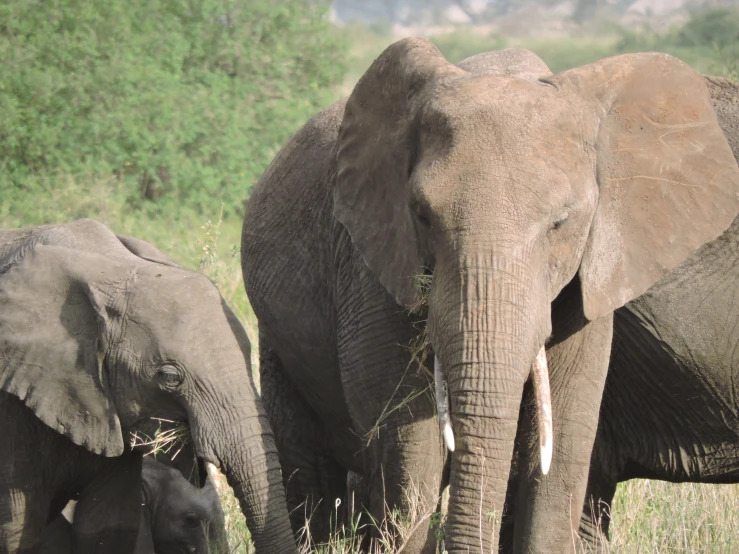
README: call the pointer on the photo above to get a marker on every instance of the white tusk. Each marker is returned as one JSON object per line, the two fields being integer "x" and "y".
{"x": 540, "y": 373}
{"x": 442, "y": 405}
{"x": 214, "y": 475}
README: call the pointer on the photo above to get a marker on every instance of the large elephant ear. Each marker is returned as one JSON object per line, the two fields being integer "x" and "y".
{"x": 667, "y": 180}
{"x": 53, "y": 319}
{"x": 374, "y": 157}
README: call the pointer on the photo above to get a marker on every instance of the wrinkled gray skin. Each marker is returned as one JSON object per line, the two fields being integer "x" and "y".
{"x": 99, "y": 334}
{"x": 540, "y": 207}
{"x": 669, "y": 408}
{"x": 177, "y": 517}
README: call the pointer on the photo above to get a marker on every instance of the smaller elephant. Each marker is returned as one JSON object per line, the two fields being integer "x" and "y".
{"x": 101, "y": 336}
{"x": 176, "y": 517}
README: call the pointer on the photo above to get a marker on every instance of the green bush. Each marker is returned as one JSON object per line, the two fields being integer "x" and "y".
{"x": 709, "y": 41}
{"x": 717, "y": 27}
{"x": 182, "y": 101}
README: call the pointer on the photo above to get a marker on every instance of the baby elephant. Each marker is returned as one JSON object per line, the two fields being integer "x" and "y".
{"x": 177, "y": 517}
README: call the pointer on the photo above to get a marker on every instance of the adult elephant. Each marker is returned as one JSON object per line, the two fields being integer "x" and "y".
{"x": 669, "y": 408}
{"x": 539, "y": 205}
{"x": 99, "y": 334}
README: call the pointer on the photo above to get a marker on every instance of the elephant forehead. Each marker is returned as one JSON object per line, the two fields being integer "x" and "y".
{"x": 178, "y": 302}
{"x": 506, "y": 117}
{"x": 508, "y": 140}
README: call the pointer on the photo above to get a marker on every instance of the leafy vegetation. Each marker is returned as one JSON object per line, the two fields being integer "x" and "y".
{"x": 175, "y": 101}
{"x": 709, "y": 40}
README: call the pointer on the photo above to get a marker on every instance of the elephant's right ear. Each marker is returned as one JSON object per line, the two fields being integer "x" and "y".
{"x": 53, "y": 316}
{"x": 374, "y": 156}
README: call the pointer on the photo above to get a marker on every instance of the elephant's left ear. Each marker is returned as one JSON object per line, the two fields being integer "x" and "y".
{"x": 667, "y": 180}
{"x": 53, "y": 327}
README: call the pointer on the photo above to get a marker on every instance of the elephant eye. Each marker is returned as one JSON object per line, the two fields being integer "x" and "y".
{"x": 421, "y": 215}
{"x": 423, "y": 220}
{"x": 560, "y": 221}
{"x": 192, "y": 521}
{"x": 169, "y": 376}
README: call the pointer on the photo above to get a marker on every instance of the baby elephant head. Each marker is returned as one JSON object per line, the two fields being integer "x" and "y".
{"x": 180, "y": 517}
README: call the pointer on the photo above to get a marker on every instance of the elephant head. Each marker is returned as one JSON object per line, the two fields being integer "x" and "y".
{"x": 507, "y": 188}
{"x": 97, "y": 341}
{"x": 179, "y": 516}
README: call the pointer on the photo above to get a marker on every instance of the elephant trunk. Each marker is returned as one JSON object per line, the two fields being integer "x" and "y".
{"x": 245, "y": 449}
{"x": 252, "y": 468}
{"x": 487, "y": 344}
{"x": 543, "y": 397}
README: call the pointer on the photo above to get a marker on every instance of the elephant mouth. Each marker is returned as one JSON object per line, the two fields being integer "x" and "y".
{"x": 542, "y": 395}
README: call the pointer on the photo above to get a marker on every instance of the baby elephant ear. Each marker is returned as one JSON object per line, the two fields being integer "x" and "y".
{"x": 667, "y": 180}
{"x": 52, "y": 320}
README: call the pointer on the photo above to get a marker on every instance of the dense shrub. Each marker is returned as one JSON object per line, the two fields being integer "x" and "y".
{"x": 179, "y": 101}
{"x": 709, "y": 41}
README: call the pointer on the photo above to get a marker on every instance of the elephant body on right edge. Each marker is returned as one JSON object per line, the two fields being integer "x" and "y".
{"x": 670, "y": 409}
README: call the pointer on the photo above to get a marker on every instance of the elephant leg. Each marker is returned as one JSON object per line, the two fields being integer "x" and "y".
{"x": 605, "y": 472}
{"x": 507, "y": 524}
{"x": 549, "y": 507}
{"x": 313, "y": 479}
{"x": 25, "y": 498}
{"x": 356, "y": 495}
{"x": 108, "y": 512}
{"x": 596, "y": 514}
{"x": 24, "y": 511}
